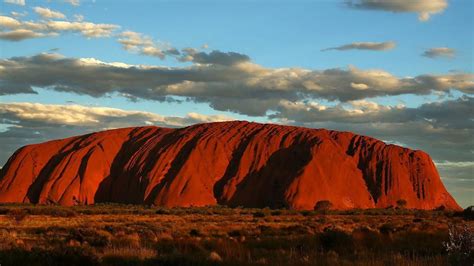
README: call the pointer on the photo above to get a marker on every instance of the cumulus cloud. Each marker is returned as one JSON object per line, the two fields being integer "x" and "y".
{"x": 371, "y": 46}
{"x": 144, "y": 44}
{"x": 424, "y": 8}
{"x": 48, "y": 13}
{"x": 439, "y": 52}
{"x": 88, "y": 29}
{"x": 15, "y": 30}
{"x": 78, "y": 17}
{"x": 37, "y": 114}
{"x": 242, "y": 87}
{"x": 9, "y": 23}
{"x": 33, "y": 122}
{"x": 214, "y": 57}
{"x": 18, "y": 14}
{"x": 21, "y": 34}
{"x": 15, "y": 2}
{"x": 453, "y": 114}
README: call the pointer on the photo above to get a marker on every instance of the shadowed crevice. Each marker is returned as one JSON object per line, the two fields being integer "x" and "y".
{"x": 34, "y": 190}
{"x": 110, "y": 189}
{"x": 267, "y": 186}
{"x": 176, "y": 166}
{"x": 233, "y": 166}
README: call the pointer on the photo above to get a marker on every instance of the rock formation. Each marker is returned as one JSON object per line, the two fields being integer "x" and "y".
{"x": 229, "y": 163}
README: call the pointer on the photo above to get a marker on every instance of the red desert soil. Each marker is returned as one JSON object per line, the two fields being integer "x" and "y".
{"x": 229, "y": 163}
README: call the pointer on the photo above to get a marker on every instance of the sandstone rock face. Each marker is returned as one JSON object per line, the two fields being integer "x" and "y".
{"x": 229, "y": 163}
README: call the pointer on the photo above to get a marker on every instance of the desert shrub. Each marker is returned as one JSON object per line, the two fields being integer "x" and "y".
{"x": 128, "y": 256}
{"x": 235, "y": 233}
{"x": 17, "y": 215}
{"x": 93, "y": 237}
{"x": 186, "y": 246}
{"x": 273, "y": 243}
{"x": 401, "y": 203}
{"x": 388, "y": 228}
{"x": 307, "y": 213}
{"x": 126, "y": 241}
{"x": 185, "y": 260}
{"x": 296, "y": 230}
{"x": 55, "y": 211}
{"x": 336, "y": 240}
{"x": 276, "y": 212}
{"x": 468, "y": 213}
{"x": 356, "y": 219}
{"x": 323, "y": 205}
{"x": 266, "y": 230}
{"x": 367, "y": 239}
{"x": 460, "y": 245}
{"x": 162, "y": 211}
{"x": 421, "y": 243}
{"x": 227, "y": 249}
{"x": 51, "y": 257}
{"x": 4, "y": 210}
{"x": 112, "y": 260}
{"x": 259, "y": 214}
{"x": 422, "y": 214}
{"x": 353, "y": 212}
{"x": 195, "y": 232}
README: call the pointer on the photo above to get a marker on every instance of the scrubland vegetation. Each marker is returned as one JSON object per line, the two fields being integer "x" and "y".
{"x": 139, "y": 235}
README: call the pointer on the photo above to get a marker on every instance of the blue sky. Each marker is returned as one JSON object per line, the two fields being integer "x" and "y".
{"x": 272, "y": 33}
{"x": 275, "y": 35}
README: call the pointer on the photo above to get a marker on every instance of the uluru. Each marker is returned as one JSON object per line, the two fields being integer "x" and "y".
{"x": 227, "y": 163}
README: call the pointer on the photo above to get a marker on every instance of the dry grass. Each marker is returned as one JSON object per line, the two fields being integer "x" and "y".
{"x": 140, "y": 235}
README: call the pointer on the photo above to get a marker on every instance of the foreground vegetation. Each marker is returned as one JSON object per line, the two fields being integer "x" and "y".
{"x": 140, "y": 235}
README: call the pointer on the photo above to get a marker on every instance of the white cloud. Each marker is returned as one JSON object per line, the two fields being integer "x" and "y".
{"x": 21, "y": 34}
{"x": 48, "y": 13}
{"x": 467, "y": 164}
{"x": 18, "y": 14}
{"x": 9, "y": 23}
{"x": 424, "y": 8}
{"x": 73, "y": 2}
{"x": 373, "y": 46}
{"x": 131, "y": 40}
{"x": 217, "y": 78}
{"x": 87, "y": 29}
{"x": 359, "y": 86}
{"x": 454, "y": 114}
{"x": 15, "y": 2}
{"x": 78, "y": 17}
{"x": 439, "y": 52}
{"x": 32, "y": 114}
{"x": 53, "y": 27}
{"x": 145, "y": 45}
